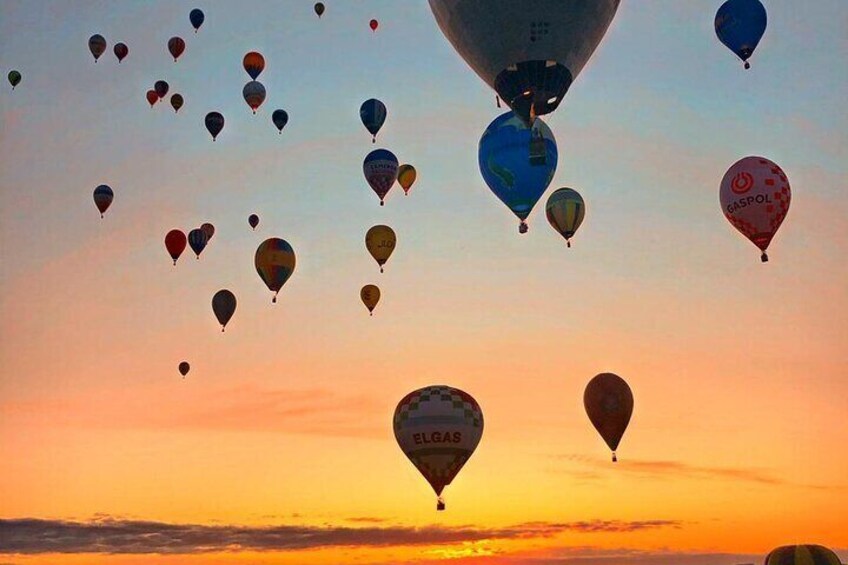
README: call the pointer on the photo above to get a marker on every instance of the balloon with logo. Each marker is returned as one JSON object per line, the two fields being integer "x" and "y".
{"x": 254, "y": 94}
{"x": 380, "y": 241}
{"x": 406, "y": 177}
{"x": 253, "y": 220}
{"x": 184, "y": 368}
{"x": 280, "y": 119}
{"x": 214, "y": 124}
{"x": 103, "y": 197}
{"x": 609, "y": 405}
{"x": 373, "y": 116}
{"x": 224, "y": 306}
{"x": 254, "y": 64}
{"x": 319, "y": 9}
{"x": 517, "y": 162}
{"x": 121, "y": 51}
{"x": 161, "y": 88}
{"x": 274, "y": 261}
{"x": 739, "y": 25}
{"x": 802, "y": 555}
{"x": 152, "y": 97}
{"x": 175, "y": 243}
{"x": 381, "y": 171}
{"x": 197, "y": 240}
{"x": 438, "y": 428}
{"x": 177, "y": 102}
{"x": 565, "y": 211}
{"x": 196, "y": 18}
{"x": 97, "y": 45}
{"x": 176, "y": 46}
{"x": 755, "y": 198}
{"x": 370, "y": 295}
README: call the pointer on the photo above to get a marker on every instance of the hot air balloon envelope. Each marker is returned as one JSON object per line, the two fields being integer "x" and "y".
{"x": 274, "y": 261}
{"x": 565, "y": 211}
{"x": 802, "y": 555}
{"x": 161, "y": 88}
{"x": 280, "y": 119}
{"x": 609, "y": 404}
{"x": 373, "y": 24}
{"x": 152, "y": 97}
{"x": 381, "y": 170}
{"x": 214, "y": 123}
{"x": 319, "y": 8}
{"x": 14, "y": 78}
{"x": 739, "y": 25}
{"x": 380, "y": 241}
{"x": 254, "y": 94}
{"x": 224, "y": 306}
{"x": 406, "y": 177}
{"x": 103, "y": 196}
{"x": 196, "y": 18}
{"x": 208, "y": 229}
{"x": 175, "y": 243}
{"x": 176, "y": 46}
{"x": 121, "y": 51}
{"x": 373, "y": 115}
{"x": 184, "y": 368}
{"x": 197, "y": 240}
{"x": 370, "y": 295}
{"x": 176, "y": 102}
{"x": 254, "y": 64}
{"x": 97, "y": 45}
{"x": 253, "y": 220}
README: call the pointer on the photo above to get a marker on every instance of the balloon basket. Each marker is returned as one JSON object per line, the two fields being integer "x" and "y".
{"x": 440, "y": 504}
{"x": 614, "y": 458}
{"x": 764, "y": 257}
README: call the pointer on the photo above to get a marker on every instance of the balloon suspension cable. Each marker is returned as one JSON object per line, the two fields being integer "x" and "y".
{"x": 764, "y": 257}
{"x": 440, "y": 504}
{"x": 614, "y": 458}
{"x": 747, "y": 65}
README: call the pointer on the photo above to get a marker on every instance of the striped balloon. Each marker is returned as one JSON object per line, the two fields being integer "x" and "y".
{"x": 438, "y": 428}
{"x": 802, "y": 555}
{"x": 274, "y": 261}
{"x": 565, "y": 211}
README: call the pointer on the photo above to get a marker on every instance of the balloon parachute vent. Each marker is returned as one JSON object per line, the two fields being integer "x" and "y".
{"x": 440, "y": 504}
{"x": 614, "y": 458}
{"x": 764, "y": 257}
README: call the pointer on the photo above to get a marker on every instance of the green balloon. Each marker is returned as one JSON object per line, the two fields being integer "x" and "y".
{"x": 14, "y": 78}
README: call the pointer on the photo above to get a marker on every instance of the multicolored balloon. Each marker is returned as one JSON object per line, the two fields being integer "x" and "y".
{"x": 176, "y": 46}
{"x": 97, "y": 45}
{"x": 517, "y": 162}
{"x": 739, "y": 25}
{"x": 152, "y": 97}
{"x": 406, "y": 178}
{"x": 380, "y": 241}
{"x": 177, "y": 102}
{"x": 224, "y": 306}
{"x": 280, "y": 119}
{"x": 175, "y": 243}
{"x": 184, "y": 368}
{"x": 214, "y": 124}
{"x": 121, "y": 51}
{"x": 254, "y": 64}
{"x": 196, "y": 18}
{"x": 254, "y": 94}
{"x": 609, "y": 403}
{"x": 274, "y": 261}
{"x": 370, "y": 295}
{"x": 438, "y": 428}
{"x": 381, "y": 171}
{"x": 373, "y": 116}
{"x": 14, "y": 78}
{"x": 319, "y": 9}
{"x": 802, "y": 555}
{"x": 161, "y": 88}
{"x": 103, "y": 197}
{"x": 253, "y": 221}
{"x": 565, "y": 211}
{"x": 197, "y": 240}
{"x": 755, "y": 198}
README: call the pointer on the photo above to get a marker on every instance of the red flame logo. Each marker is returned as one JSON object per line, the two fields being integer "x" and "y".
{"x": 742, "y": 183}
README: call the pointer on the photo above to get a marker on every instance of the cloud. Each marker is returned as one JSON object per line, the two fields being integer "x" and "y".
{"x": 118, "y": 536}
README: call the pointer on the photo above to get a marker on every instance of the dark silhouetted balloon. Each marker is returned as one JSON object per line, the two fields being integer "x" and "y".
{"x": 370, "y": 295}
{"x": 152, "y": 97}
{"x": 381, "y": 170}
{"x": 176, "y": 46}
{"x": 103, "y": 197}
{"x": 14, "y": 78}
{"x": 739, "y": 25}
{"x": 609, "y": 404}
{"x": 373, "y": 116}
{"x": 121, "y": 51}
{"x": 253, "y": 220}
{"x": 161, "y": 88}
{"x": 214, "y": 124}
{"x": 196, "y": 18}
{"x": 175, "y": 243}
{"x": 224, "y": 306}
{"x": 565, "y": 211}
{"x": 254, "y": 64}
{"x": 280, "y": 119}
{"x": 197, "y": 240}
{"x": 319, "y": 8}
{"x": 97, "y": 45}
{"x": 274, "y": 261}
{"x": 177, "y": 102}
{"x": 208, "y": 229}
{"x": 254, "y": 94}
{"x": 184, "y": 368}
{"x": 802, "y": 555}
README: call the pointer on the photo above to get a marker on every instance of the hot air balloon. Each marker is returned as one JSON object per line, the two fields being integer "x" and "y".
{"x": 176, "y": 46}
{"x": 209, "y": 230}
{"x": 103, "y": 197}
{"x": 438, "y": 428}
{"x": 152, "y": 97}
{"x": 802, "y": 555}
{"x": 381, "y": 170}
{"x": 565, "y": 210}
{"x": 373, "y": 115}
{"x": 373, "y": 24}
{"x": 370, "y": 295}
{"x": 214, "y": 124}
{"x": 380, "y": 242}
{"x": 528, "y": 52}
{"x": 406, "y": 177}
{"x": 274, "y": 262}
{"x": 196, "y": 18}
{"x": 176, "y": 102}
{"x": 609, "y": 404}
{"x": 184, "y": 368}
{"x": 254, "y": 94}
{"x": 755, "y": 198}
{"x": 517, "y": 162}
{"x": 161, "y": 88}
{"x": 280, "y": 119}
{"x": 97, "y": 45}
{"x": 253, "y": 220}
{"x": 740, "y": 24}
{"x": 319, "y": 8}
{"x": 121, "y": 51}
{"x": 197, "y": 240}
{"x": 254, "y": 64}
{"x": 224, "y": 306}
{"x": 14, "y": 78}
{"x": 175, "y": 243}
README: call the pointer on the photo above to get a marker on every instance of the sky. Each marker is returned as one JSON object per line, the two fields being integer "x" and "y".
{"x": 278, "y": 448}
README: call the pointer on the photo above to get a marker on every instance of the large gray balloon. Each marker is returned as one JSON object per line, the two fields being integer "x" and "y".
{"x": 529, "y": 51}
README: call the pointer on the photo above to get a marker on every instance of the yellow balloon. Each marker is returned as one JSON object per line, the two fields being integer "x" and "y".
{"x": 370, "y": 296}
{"x": 380, "y": 242}
{"x": 406, "y": 177}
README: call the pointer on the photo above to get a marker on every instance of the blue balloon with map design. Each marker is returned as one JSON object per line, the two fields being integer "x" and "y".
{"x": 517, "y": 162}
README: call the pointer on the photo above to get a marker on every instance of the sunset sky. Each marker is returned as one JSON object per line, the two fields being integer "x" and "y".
{"x": 278, "y": 446}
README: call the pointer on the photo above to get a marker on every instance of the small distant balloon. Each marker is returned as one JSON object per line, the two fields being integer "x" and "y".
{"x": 254, "y": 64}
{"x": 280, "y": 119}
{"x": 184, "y": 368}
{"x": 274, "y": 261}
{"x": 121, "y": 51}
{"x": 175, "y": 243}
{"x": 406, "y": 177}
{"x": 14, "y": 78}
{"x": 197, "y": 240}
{"x": 381, "y": 170}
{"x": 97, "y": 45}
{"x": 319, "y": 8}
{"x": 370, "y": 295}
{"x": 373, "y": 24}
{"x": 224, "y": 306}
{"x": 609, "y": 404}
{"x": 253, "y": 221}
{"x": 103, "y": 197}
{"x": 380, "y": 241}
{"x": 565, "y": 211}
{"x": 152, "y": 97}
{"x": 373, "y": 116}
{"x": 177, "y": 102}
{"x": 176, "y": 46}
{"x": 161, "y": 88}
{"x": 739, "y": 25}
{"x": 208, "y": 229}
{"x": 196, "y": 18}
{"x": 214, "y": 123}
{"x": 254, "y": 94}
